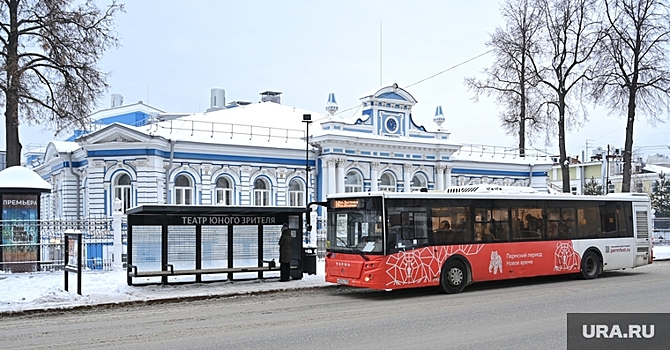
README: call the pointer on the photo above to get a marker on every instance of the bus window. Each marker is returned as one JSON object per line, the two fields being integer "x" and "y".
{"x": 588, "y": 220}
{"x": 560, "y": 223}
{"x": 615, "y": 221}
{"x": 500, "y": 223}
{"x": 408, "y": 228}
{"x": 451, "y": 225}
{"x": 609, "y": 222}
{"x": 527, "y": 223}
{"x": 357, "y": 227}
{"x": 483, "y": 225}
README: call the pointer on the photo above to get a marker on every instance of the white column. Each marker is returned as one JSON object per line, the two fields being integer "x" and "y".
{"x": 245, "y": 186}
{"x": 374, "y": 176}
{"x": 339, "y": 173}
{"x": 448, "y": 175}
{"x": 407, "y": 177}
{"x": 117, "y": 263}
{"x": 330, "y": 181}
{"x": 439, "y": 178}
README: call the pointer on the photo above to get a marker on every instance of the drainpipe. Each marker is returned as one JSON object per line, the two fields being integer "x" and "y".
{"x": 167, "y": 172}
{"x": 78, "y": 189}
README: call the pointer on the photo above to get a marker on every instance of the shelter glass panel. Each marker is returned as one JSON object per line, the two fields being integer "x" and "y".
{"x": 214, "y": 246}
{"x": 146, "y": 248}
{"x": 245, "y": 246}
{"x": 181, "y": 247}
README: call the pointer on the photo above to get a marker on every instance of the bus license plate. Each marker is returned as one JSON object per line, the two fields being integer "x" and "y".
{"x": 342, "y": 281}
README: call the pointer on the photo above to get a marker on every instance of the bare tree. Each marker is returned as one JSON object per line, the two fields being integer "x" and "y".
{"x": 509, "y": 78}
{"x": 50, "y": 49}
{"x": 571, "y": 36}
{"x": 634, "y": 65}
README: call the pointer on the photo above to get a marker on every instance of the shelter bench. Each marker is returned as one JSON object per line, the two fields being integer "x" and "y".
{"x": 271, "y": 266}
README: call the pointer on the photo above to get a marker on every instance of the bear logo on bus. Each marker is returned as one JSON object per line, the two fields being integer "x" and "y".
{"x": 565, "y": 257}
{"x": 496, "y": 263}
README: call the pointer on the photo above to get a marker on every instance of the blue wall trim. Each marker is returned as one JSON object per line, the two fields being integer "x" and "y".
{"x": 197, "y": 156}
{"x": 392, "y": 96}
{"x": 357, "y": 130}
{"x": 462, "y": 171}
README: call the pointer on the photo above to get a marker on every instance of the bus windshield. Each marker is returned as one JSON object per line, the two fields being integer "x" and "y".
{"x": 356, "y": 225}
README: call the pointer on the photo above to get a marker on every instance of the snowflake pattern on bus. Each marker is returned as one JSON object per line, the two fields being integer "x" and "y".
{"x": 423, "y": 265}
{"x": 565, "y": 257}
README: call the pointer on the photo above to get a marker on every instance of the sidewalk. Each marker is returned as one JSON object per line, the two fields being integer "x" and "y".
{"x": 29, "y": 292}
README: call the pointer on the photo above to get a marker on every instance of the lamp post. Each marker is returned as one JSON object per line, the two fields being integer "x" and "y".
{"x": 307, "y": 119}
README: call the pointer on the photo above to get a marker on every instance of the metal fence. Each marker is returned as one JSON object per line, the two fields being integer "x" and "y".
{"x": 321, "y": 238}
{"x": 661, "y": 232}
{"x": 38, "y": 245}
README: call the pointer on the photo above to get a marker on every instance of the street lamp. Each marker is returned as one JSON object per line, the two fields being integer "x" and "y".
{"x": 307, "y": 119}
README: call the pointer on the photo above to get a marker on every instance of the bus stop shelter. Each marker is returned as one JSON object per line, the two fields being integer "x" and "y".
{"x": 186, "y": 244}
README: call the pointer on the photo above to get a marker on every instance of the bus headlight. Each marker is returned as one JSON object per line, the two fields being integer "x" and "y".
{"x": 368, "y": 278}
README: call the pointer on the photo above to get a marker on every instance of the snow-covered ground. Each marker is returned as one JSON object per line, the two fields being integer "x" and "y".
{"x": 41, "y": 291}
{"x": 45, "y": 290}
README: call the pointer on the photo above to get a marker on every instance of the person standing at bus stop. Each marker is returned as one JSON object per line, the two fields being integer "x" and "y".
{"x": 284, "y": 254}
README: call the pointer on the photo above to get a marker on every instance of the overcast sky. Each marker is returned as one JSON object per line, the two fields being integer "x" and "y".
{"x": 173, "y": 52}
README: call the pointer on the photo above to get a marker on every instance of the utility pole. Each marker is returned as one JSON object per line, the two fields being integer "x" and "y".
{"x": 307, "y": 119}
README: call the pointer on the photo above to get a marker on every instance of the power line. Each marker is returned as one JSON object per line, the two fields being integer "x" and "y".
{"x": 450, "y": 68}
{"x": 430, "y": 77}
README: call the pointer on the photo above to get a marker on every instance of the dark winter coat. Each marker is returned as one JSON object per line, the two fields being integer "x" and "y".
{"x": 285, "y": 246}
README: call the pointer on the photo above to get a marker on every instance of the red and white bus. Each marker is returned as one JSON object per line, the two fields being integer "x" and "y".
{"x": 466, "y": 234}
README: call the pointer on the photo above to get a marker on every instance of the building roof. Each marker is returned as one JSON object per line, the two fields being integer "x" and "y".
{"x": 657, "y": 169}
{"x": 123, "y": 109}
{"x": 18, "y": 177}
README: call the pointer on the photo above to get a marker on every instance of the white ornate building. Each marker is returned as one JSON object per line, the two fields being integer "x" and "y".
{"x": 255, "y": 154}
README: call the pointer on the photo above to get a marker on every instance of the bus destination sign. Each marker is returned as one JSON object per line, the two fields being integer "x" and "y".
{"x": 345, "y": 203}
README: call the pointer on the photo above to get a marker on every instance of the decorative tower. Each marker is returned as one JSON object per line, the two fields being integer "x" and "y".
{"x": 331, "y": 105}
{"x": 439, "y": 117}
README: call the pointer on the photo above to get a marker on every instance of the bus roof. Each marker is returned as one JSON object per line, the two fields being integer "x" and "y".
{"x": 494, "y": 192}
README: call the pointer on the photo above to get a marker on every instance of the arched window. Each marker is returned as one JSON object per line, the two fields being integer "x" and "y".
{"x": 261, "y": 193}
{"x": 353, "y": 182}
{"x": 122, "y": 191}
{"x": 296, "y": 194}
{"x": 387, "y": 183}
{"x": 418, "y": 182}
{"x": 224, "y": 192}
{"x": 183, "y": 190}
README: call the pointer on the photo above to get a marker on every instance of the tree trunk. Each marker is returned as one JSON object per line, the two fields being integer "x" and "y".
{"x": 522, "y": 91}
{"x": 628, "y": 148}
{"x": 565, "y": 165}
{"x": 12, "y": 92}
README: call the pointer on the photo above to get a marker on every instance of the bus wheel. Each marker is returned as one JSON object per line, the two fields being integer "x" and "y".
{"x": 454, "y": 277}
{"x": 591, "y": 266}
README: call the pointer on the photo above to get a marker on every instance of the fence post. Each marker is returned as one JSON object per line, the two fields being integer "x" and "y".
{"x": 116, "y": 227}
{"x": 312, "y": 234}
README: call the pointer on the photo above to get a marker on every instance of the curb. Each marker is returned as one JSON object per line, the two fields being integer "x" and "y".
{"x": 120, "y": 304}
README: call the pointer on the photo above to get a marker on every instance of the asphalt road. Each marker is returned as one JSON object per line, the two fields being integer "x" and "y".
{"x": 519, "y": 314}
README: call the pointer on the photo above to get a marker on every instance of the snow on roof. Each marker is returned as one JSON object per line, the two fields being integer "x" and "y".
{"x": 18, "y": 177}
{"x": 657, "y": 169}
{"x": 123, "y": 109}
{"x": 258, "y": 124}
{"x": 65, "y": 146}
{"x": 501, "y": 154}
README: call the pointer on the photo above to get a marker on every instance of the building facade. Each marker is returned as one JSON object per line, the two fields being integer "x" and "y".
{"x": 606, "y": 170}
{"x": 257, "y": 154}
